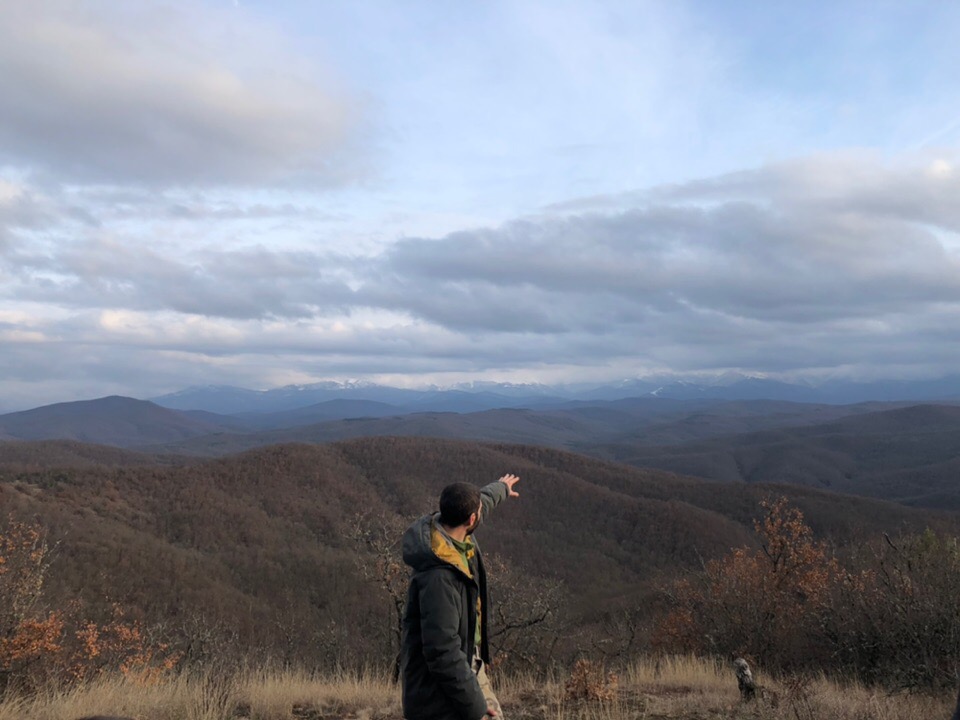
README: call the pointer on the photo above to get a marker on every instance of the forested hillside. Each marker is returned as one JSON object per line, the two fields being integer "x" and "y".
{"x": 910, "y": 455}
{"x": 263, "y": 550}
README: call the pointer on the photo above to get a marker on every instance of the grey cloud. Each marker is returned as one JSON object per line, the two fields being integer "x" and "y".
{"x": 753, "y": 261}
{"x": 923, "y": 189}
{"x": 234, "y": 211}
{"x": 41, "y": 373}
{"x": 766, "y": 260}
{"x": 21, "y": 210}
{"x": 144, "y": 93}
{"x": 597, "y": 203}
{"x": 97, "y": 206}
{"x": 108, "y": 273}
{"x": 163, "y": 361}
{"x": 764, "y": 273}
{"x": 784, "y": 258}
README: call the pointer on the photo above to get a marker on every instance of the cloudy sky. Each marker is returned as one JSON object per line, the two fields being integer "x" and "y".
{"x": 260, "y": 193}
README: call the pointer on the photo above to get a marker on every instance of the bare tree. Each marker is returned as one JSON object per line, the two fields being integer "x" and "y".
{"x": 377, "y": 536}
{"x": 527, "y": 615}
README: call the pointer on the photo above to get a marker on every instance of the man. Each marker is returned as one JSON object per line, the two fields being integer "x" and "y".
{"x": 445, "y": 646}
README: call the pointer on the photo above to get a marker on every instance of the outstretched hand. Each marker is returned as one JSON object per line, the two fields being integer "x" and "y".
{"x": 510, "y": 481}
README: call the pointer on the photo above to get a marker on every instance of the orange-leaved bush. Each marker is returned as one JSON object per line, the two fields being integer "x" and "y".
{"x": 26, "y": 634}
{"x": 122, "y": 644}
{"x": 764, "y": 602}
{"x": 39, "y": 646}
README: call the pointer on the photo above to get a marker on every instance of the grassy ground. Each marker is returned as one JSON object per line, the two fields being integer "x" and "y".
{"x": 679, "y": 688}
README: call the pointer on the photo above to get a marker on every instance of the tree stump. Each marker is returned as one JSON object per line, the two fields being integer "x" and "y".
{"x": 748, "y": 688}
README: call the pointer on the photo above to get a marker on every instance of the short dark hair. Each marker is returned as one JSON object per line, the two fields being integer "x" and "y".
{"x": 457, "y": 503}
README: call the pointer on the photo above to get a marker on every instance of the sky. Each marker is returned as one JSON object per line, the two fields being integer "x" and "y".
{"x": 253, "y": 193}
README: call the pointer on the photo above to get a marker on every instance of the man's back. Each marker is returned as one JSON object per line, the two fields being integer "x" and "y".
{"x": 438, "y": 681}
{"x": 445, "y": 621}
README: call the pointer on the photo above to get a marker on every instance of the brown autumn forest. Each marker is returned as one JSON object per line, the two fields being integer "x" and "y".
{"x": 287, "y": 555}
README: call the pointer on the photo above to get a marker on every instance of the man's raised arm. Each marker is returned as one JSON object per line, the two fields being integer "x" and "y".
{"x": 493, "y": 494}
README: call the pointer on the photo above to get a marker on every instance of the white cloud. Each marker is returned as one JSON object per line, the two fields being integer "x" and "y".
{"x": 149, "y": 93}
{"x": 9, "y": 192}
{"x": 940, "y": 169}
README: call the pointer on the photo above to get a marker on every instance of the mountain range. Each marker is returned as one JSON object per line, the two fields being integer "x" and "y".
{"x": 900, "y": 451}
{"x": 131, "y": 423}
{"x": 470, "y": 397}
{"x": 243, "y": 524}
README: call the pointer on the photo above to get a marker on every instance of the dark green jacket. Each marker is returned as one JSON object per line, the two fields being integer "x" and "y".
{"x": 440, "y": 620}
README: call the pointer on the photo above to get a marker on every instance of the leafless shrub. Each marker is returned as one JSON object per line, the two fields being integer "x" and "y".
{"x": 377, "y": 537}
{"x": 590, "y": 681}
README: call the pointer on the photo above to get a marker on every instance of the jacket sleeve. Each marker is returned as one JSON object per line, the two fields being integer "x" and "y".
{"x": 492, "y": 495}
{"x": 440, "y": 609}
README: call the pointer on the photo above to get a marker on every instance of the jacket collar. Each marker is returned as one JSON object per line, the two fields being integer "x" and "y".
{"x": 442, "y": 546}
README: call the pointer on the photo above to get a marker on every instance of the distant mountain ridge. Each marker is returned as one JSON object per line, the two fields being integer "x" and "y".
{"x": 114, "y": 420}
{"x": 592, "y": 428}
{"x": 227, "y": 400}
{"x": 474, "y": 396}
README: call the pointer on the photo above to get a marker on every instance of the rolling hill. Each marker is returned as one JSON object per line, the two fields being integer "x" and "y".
{"x": 261, "y": 544}
{"x": 119, "y": 421}
{"x": 36, "y": 455}
{"x": 577, "y": 425}
{"x": 910, "y": 455}
{"x": 907, "y": 453}
{"x": 606, "y": 429}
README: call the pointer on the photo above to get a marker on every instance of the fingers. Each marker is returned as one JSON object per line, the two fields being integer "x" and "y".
{"x": 509, "y": 480}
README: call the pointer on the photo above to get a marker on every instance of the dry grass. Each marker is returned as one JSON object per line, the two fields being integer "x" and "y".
{"x": 260, "y": 695}
{"x": 684, "y": 688}
{"x": 678, "y": 688}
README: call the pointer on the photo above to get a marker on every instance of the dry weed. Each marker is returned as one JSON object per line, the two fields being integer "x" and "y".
{"x": 590, "y": 681}
{"x": 677, "y": 688}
